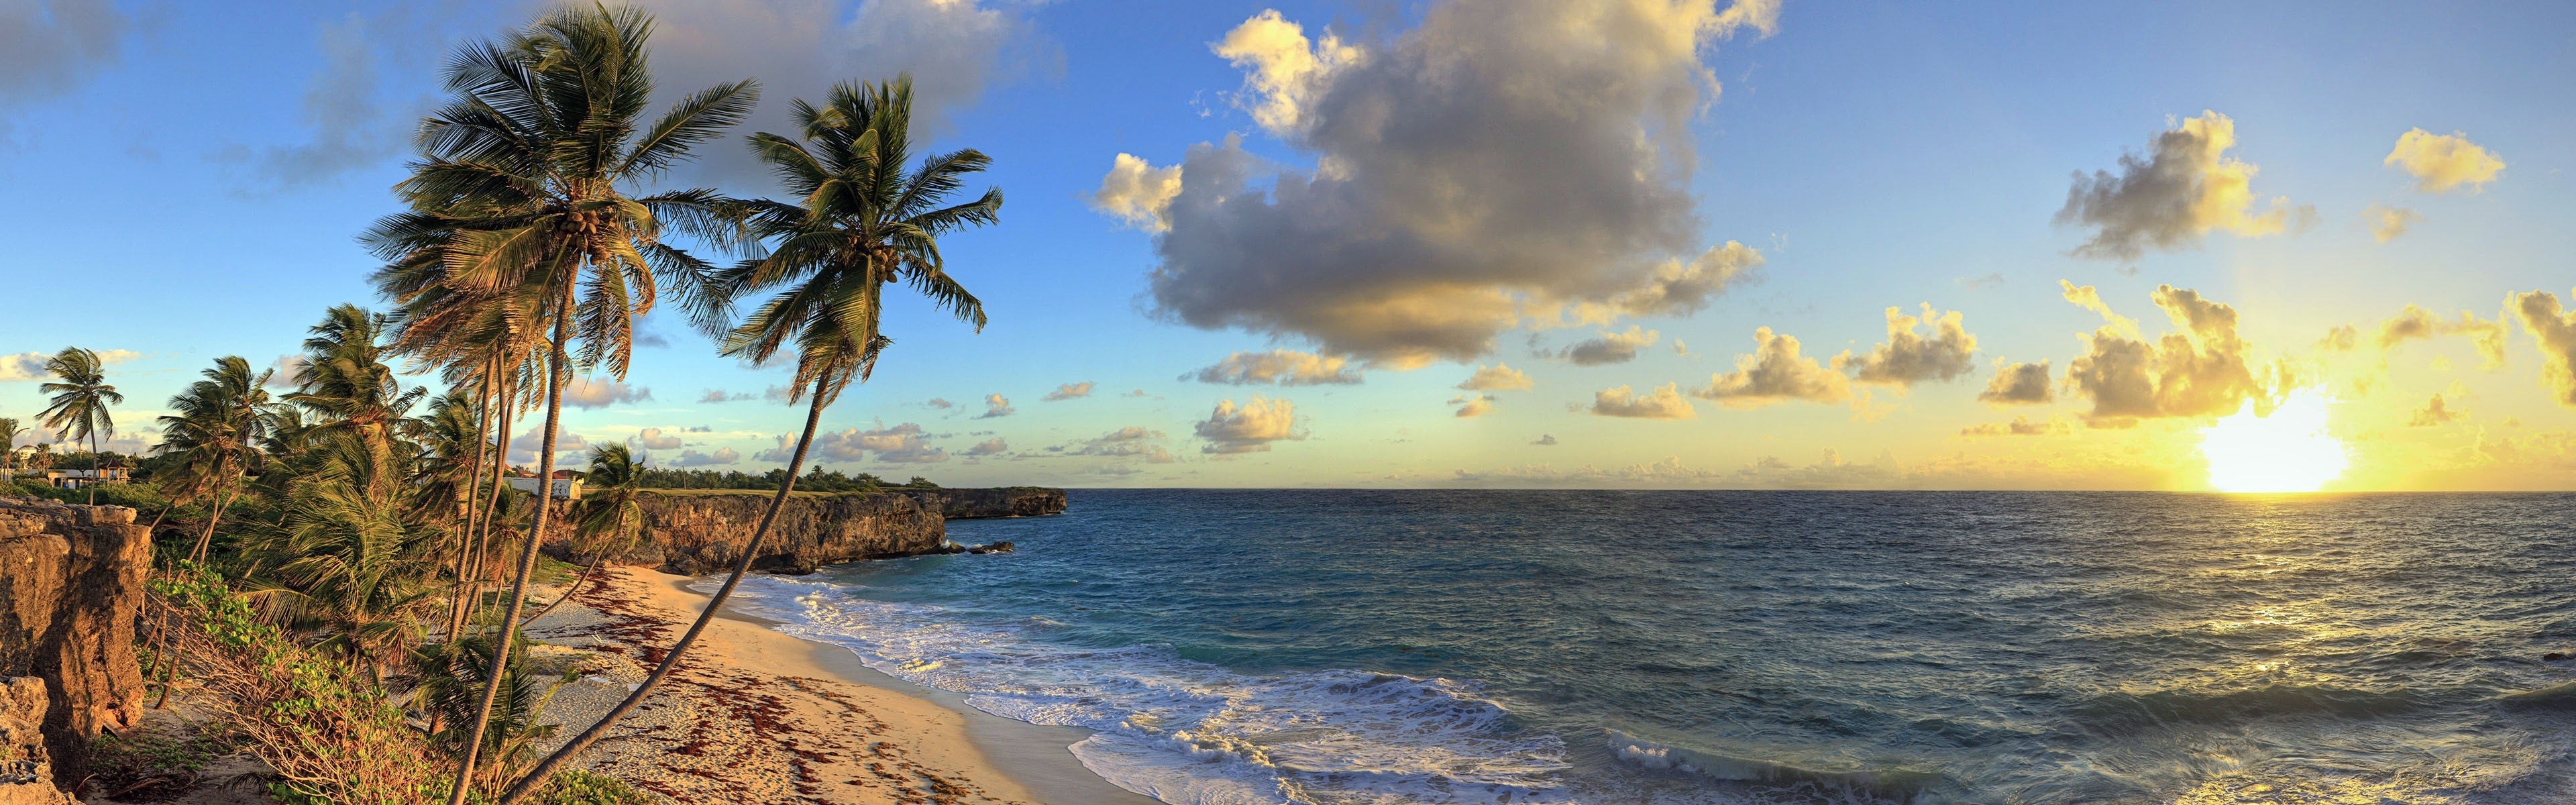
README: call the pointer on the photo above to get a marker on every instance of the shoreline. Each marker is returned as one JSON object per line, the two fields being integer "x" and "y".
{"x": 758, "y": 715}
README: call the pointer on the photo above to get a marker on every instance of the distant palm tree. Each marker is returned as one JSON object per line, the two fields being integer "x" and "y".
{"x": 609, "y": 516}
{"x": 521, "y": 195}
{"x": 79, "y": 409}
{"x": 862, "y": 220}
{"x": 218, "y": 429}
{"x": 9, "y": 433}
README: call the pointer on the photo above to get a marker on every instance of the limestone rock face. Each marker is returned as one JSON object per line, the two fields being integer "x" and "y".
{"x": 26, "y": 769}
{"x": 71, "y": 586}
{"x": 1000, "y": 501}
{"x": 694, "y": 534}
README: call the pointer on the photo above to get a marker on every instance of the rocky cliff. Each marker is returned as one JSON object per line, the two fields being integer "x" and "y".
{"x": 1000, "y": 501}
{"x": 71, "y": 585}
{"x": 697, "y": 532}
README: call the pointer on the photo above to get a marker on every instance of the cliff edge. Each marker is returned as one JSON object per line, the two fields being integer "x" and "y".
{"x": 691, "y": 532}
{"x": 71, "y": 588}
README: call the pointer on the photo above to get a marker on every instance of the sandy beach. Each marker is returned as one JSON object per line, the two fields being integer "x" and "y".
{"x": 757, "y": 716}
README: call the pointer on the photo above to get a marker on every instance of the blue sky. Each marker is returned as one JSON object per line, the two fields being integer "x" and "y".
{"x": 192, "y": 179}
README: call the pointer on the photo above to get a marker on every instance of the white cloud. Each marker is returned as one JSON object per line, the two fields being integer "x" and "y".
{"x": 717, "y": 396}
{"x": 901, "y": 444}
{"x": 1504, "y": 161}
{"x": 1250, "y": 427}
{"x": 586, "y": 393}
{"x": 24, "y": 366}
{"x": 2019, "y": 384}
{"x": 2442, "y": 162}
{"x": 1775, "y": 372}
{"x": 1907, "y": 358}
{"x": 1285, "y": 367}
{"x": 1069, "y": 391}
{"x": 2389, "y": 223}
{"x": 654, "y": 439}
{"x": 48, "y": 47}
{"x": 996, "y": 405}
{"x": 2184, "y": 188}
{"x": 2415, "y": 323}
{"x": 1610, "y": 347}
{"x": 2556, "y": 335}
{"x": 1473, "y": 405}
{"x": 1663, "y": 402}
{"x": 569, "y": 447}
{"x": 989, "y": 447}
{"x": 721, "y": 457}
{"x": 1137, "y": 193}
{"x": 2200, "y": 371}
{"x": 1128, "y": 442}
{"x": 1498, "y": 377}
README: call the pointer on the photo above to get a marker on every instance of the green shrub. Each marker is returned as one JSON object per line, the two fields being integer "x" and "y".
{"x": 574, "y": 787}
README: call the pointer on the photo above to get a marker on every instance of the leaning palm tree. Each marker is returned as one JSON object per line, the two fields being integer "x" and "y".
{"x": 346, "y": 383}
{"x": 79, "y": 409}
{"x": 862, "y": 220}
{"x": 219, "y": 425}
{"x": 521, "y": 194}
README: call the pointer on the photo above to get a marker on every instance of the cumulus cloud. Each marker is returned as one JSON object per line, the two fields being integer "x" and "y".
{"x": 1248, "y": 428}
{"x": 2089, "y": 298}
{"x": 1137, "y": 193}
{"x": 1133, "y": 441}
{"x": 1286, "y": 367}
{"x": 1473, "y": 405}
{"x": 1068, "y": 391}
{"x": 282, "y": 372}
{"x": 721, "y": 396}
{"x": 1545, "y": 440}
{"x": 2389, "y": 223}
{"x": 2434, "y": 414}
{"x": 901, "y": 444}
{"x": 955, "y": 50}
{"x": 1907, "y": 358}
{"x": 2019, "y": 384}
{"x": 996, "y": 405}
{"x": 2183, "y": 188}
{"x": 653, "y": 439}
{"x": 569, "y": 447}
{"x": 1502, "y": 161}
{"x": 1610, "y": 347}
{"x": 2019, "y": 426}
{"x": 721, "y": 457}
{"x": 2413, "y": 323}
{"x": 1663, "y": 402}
{"x": 2557, "y": 337}
{"x": 941, "y": 403}
{"x": 2442, "y": 162}
{"x": 2343, "y": 338}
{"x": 2199, "y": 371}
{"x": 31, "y": 365}
{"x": 1498, "y": 377}
{"x": 587, "y": 393}
{"x": 989, "y": 447}
{"x": 1775, "y": 373}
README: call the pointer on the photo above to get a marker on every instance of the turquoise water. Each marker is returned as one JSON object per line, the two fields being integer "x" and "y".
{"x": 1741, "y": 647}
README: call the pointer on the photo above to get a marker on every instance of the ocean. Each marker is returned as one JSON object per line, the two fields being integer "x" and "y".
{"x": 1237, "y": 647}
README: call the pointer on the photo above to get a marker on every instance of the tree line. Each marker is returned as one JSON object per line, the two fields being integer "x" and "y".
{"x": 369, "y": 518}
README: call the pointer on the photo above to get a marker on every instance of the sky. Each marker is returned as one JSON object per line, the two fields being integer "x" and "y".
{"x": 1502, "y": 243}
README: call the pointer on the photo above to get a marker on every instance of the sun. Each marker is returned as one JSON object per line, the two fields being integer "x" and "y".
{"x": 2288, "y": 451}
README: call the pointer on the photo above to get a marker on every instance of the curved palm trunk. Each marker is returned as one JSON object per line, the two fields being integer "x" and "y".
{"x": 492, "y": 502}
{"x": 206, "y": 537}
{"x": 556, "y": 371}
{"x": 741, "y": 566}
{"x": 569, "y": 592}
{"x": 473, "y": 514}
{"x": 97, "y": 468}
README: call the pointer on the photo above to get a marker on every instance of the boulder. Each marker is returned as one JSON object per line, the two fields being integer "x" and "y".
{"x": 26, "y": 768}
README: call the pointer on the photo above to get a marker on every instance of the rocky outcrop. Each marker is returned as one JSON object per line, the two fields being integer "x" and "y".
{"x": 1000, "y": 501}
{"x": 26, "y": 767}
{"x": 693, "y": 533}
{"x": 71, "y": 586}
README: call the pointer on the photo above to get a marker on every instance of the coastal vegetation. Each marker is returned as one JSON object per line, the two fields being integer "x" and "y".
{"x": 344, "y": 568}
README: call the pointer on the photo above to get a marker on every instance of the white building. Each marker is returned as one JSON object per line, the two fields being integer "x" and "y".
{"x": 565, "y": 488}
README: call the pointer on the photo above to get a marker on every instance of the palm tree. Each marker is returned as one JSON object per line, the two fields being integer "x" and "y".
{"x": 219, "y": 426}
{"x": 346, "y": 383}
{"x": 79, "y": 409}
{"x": 519, "y": 195}
{"x": 862, "y": 221}
{"x": 609, "y": 516}
{"x": 9, "y": 433}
